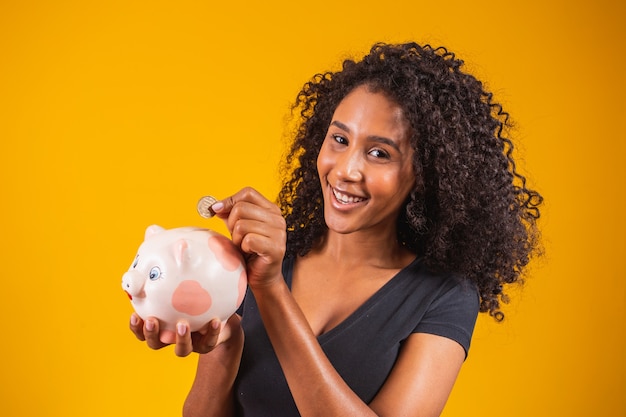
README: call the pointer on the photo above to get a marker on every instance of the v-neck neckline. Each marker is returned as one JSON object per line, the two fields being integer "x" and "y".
{"x": 360, "y": 310}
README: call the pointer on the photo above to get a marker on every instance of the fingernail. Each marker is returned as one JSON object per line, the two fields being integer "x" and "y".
{"x": 182, "y": 329}
{"x": 149, "y": 325}
{"x": 134, "y": 320}
{"x": 217, "y": 206}
{"x": 215, "y": 324}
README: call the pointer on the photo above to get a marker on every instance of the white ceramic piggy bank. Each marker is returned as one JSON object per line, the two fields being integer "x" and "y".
{"x": 185, "y": 273}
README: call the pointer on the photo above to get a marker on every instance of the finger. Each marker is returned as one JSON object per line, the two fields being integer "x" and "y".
{"x": 249, "y": 218}
{"x": 207, "y": 338}
{"x": 242, "y": 212}
{"x": 225, "y": 332}
{"x": 243, "y": 227}
{"x": 231, "y": 330}
{"x": 151, "y": 333}
{"x": 183, "y": 345}
{"x": 267, "y": 247}
{"x": 136, "y": 326}
{"x": 223, "y": 208}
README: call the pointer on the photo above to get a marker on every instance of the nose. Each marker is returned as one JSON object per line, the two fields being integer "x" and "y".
{"x": 349, "y": 166}
{"x": 132, "y": 283}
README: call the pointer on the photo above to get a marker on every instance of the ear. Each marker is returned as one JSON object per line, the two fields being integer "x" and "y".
{"x": 180, "y": 246}
{"x": 153, "y": 230}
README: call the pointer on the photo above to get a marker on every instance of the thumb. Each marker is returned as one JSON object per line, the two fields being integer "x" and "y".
{"x": 222, "y": 208}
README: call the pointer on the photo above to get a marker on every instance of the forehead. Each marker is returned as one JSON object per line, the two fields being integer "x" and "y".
{"x": 372, "y": 110}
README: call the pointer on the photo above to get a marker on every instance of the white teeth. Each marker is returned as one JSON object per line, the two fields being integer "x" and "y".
{"x": 346, "y": 199}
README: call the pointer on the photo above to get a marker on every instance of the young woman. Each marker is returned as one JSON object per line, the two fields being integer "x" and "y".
{"x": 402, "y": 216}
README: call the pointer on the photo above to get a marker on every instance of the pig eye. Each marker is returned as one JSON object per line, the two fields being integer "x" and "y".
{"x": 135, "y": 261}
{"x": 155, "y": 273}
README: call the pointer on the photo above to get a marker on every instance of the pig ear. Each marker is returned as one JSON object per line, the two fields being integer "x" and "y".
{"x": 153, "y": 230}
{"x": 180, "y": 246}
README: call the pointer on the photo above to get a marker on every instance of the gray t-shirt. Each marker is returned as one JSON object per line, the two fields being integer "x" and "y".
{"x": 364, "y": 347}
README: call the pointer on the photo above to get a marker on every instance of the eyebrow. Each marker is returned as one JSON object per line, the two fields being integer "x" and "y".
{"x": 375, "y": 138}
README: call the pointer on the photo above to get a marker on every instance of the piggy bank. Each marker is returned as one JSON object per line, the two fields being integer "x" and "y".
{"x": 185, "y": 273}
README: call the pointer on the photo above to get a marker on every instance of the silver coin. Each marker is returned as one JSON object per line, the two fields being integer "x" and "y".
{"x": 204, "y": 206}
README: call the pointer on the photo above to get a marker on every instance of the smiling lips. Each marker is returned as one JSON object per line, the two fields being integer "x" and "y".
{"x": 345, "y": 198}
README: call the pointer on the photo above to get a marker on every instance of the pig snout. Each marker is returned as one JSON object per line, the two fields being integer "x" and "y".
{"x": 132, "y": 283}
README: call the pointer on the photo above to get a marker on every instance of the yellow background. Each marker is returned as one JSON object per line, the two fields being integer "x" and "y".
{"x": 118, "y": 114}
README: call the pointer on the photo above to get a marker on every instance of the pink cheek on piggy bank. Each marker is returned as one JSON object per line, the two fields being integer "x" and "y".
{"x": 225, "y": 252}
{"x": 190, "y": 298}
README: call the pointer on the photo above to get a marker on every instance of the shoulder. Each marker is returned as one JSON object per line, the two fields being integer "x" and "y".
{"x": 437, "y": 285}
{"x": 451, "y": 303}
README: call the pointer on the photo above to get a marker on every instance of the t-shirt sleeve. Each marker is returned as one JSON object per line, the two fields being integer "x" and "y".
{"x": 453, "y": 314}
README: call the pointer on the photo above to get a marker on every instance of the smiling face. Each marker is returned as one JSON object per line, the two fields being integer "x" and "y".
{"x": 365, "y": 164}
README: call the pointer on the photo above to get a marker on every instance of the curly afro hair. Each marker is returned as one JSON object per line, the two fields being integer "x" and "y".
{"x": 470, "y": 211}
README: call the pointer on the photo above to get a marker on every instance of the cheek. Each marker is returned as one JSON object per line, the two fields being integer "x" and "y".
{"x": 384, "y": 181}
{"x": 392, "y": 184}
{"x": 324, "y": 161}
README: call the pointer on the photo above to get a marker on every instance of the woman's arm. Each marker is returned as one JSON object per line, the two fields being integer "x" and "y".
{"x": 419, "y": 384}
{"x": 212, "y": 391}
{"x": 220, "y": 350}
{"x": 422, "y": 378}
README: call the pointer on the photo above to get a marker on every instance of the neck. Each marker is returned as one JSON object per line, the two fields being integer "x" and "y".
{"x": 363, "y": 249}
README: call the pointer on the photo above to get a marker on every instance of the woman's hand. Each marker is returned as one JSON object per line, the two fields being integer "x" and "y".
{"x": 202, "y": 341}
{"x": 257, "y": 227}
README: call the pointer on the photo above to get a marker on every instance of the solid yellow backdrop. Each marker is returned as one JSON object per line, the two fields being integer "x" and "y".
{"x": 116, "y": 115}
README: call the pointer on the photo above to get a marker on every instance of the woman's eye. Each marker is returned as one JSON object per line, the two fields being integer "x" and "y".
{"x": 379, "y": 153}
{"x": 155, "y": 273}
{"x": 340, "y": 139}
{"x": 135, "y": 262}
